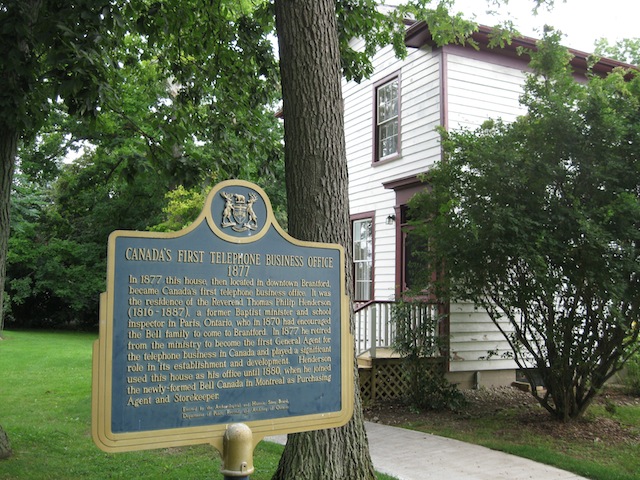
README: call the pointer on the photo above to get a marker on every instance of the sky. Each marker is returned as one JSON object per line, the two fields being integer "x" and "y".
{"x": 582, "y": 21}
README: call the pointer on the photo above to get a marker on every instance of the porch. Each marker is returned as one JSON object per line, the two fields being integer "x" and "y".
{"x": 380, "y": 367}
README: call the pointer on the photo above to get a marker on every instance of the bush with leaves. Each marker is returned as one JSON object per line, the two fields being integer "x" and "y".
{"x": 538, "y": 222}
{"x": 419, "y": 343}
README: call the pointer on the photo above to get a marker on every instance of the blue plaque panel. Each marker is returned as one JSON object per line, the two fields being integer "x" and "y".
{"x": 230, "y": 320}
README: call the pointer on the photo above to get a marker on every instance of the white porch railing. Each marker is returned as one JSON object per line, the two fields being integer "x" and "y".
{"x": 374, "y": 327}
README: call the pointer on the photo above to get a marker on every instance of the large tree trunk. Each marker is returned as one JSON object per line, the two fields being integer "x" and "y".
{"x": 8, "y": 149}
{"x": 318, "y": 203}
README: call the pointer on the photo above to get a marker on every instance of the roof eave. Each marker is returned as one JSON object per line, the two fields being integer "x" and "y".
{"x": 418, "y": 35}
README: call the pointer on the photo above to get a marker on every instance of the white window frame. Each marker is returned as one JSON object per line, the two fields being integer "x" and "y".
{"x": 362, "y": 259}
{"x": 387, "y": 118}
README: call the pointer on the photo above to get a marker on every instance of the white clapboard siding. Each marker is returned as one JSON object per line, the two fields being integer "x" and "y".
{"x": 420, "y": 147}
{"x": 479, "y": 90}
{"x": 420, "y": 113}
{"x": 473, "y": 336}
{"x": 475, "y": 89}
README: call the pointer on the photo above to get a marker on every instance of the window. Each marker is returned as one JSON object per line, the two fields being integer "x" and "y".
{"x": 387, "y": 118}
{"x": 363, "y": 259}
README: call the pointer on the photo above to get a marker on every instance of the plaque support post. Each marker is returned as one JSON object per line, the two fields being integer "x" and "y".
{"x": 237, "y": 452}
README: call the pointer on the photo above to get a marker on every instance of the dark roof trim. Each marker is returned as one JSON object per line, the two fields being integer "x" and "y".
{"x": 418, "y": 35}
{"x": 402, "y": 183}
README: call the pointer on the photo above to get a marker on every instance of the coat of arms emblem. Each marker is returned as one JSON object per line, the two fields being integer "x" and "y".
{"x": 238, "y": 212}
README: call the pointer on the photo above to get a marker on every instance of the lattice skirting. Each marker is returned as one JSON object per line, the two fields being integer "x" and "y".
{"x": 386, "y": 379}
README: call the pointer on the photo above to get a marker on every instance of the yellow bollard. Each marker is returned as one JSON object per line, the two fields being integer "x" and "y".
{"x": 237, "y": 451}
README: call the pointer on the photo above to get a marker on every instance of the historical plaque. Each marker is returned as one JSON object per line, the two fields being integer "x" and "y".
{"x": 229, "y": 320}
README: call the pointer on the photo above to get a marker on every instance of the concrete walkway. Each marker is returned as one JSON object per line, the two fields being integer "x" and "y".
{"x": 410, "y": 455}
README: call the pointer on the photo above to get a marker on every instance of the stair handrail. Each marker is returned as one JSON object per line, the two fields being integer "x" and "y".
{"x": 368, "y": 335}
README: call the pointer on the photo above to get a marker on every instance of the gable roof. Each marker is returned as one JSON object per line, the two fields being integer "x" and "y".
{"x": 418, "y": 35}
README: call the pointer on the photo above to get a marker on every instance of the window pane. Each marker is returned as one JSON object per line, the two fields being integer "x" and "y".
{"x": 362, "y": 240}
{"x": 363, "y": 258}
{"x": 387, "y": 119}
{"x": 363, "y": 272}
{"x": 388, "y": 101}
{"x": 363, "y": 291}
{"x": 388, "y": 138}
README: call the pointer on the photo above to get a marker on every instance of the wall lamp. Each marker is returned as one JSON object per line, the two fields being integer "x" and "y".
{"x": 391, "y": 219}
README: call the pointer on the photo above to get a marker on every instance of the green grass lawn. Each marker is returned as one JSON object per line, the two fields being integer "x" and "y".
{"x": 45, "y": 408}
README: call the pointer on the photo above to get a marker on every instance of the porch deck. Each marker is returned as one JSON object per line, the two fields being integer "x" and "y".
{"x": 365, "y": 360}
{"x": 380, "y": 368}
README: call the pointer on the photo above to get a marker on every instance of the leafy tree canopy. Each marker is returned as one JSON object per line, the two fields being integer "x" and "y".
{"x": 626, "y": 50}
{"x": 538, "y": 221}
{"x": 165, "y": 95}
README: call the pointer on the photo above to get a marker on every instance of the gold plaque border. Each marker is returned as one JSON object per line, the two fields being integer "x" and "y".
{"x": 102, "y": 368}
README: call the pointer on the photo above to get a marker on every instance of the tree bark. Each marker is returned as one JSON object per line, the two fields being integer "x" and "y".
{"x": 5, "y": 446}
{"x": 318, "y": 204}
{"x": 8, "y": 149}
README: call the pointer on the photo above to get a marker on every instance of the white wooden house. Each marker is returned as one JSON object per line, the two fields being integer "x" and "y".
{"x": 391, "y": 138}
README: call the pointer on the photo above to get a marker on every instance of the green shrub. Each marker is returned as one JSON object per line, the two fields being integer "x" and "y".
{"x": 419, "y": 343}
